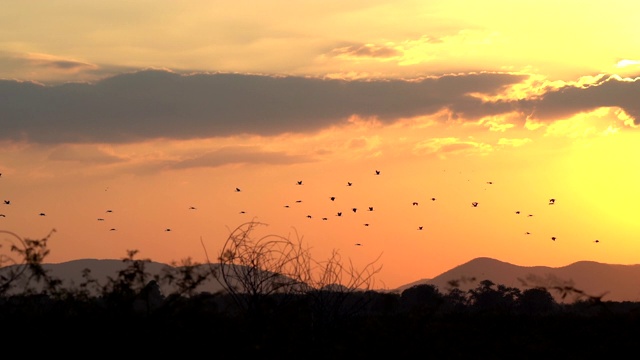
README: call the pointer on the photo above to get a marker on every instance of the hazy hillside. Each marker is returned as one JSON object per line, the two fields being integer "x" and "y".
{"x": 617, "y": 282}
{"x": 101, "y": 270}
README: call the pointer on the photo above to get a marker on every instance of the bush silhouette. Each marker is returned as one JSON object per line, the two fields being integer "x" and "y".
{"x": 279, "y": 301}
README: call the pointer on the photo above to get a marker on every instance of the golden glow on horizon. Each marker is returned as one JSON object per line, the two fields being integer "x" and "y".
{"x": 454, "y": 169}
{"x": 585, "y": 160}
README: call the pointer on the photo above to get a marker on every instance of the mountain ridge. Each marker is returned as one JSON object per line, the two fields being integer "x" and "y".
{"x": 611, "y": 282}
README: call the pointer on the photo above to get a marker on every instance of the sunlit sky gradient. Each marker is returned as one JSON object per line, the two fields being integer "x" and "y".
{"x": 149, "y": 108}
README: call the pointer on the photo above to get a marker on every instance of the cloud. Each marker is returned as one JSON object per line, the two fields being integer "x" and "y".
{"x": 239, "y": 155}
{"x": 46, "y": 61}
{"x": 52, "y": 69}
{"x": 160, "y": 104}
{"x": 156, "y": 104}
{"x": 56, "y": 63}
{"x": 514, "y": 142}
{"x": 367, "y": 50}
{"x": 497, "y": 123}
{"x": 627, "y": 62}
{"x": 569, "y": 100}
{"x": 83, "y": 154}
{"x": 450, "y": 145}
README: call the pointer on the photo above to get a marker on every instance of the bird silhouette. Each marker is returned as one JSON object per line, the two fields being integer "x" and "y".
{"x": 553, "y": 238}
{"x": 242, "y": 212}
{"x": 43, "y": 214}
{"x": 192, "y": 208}
{"x": 3, "y": 215}
{"x": 415, "y": 203}
{"x": 333, "y": 198}
{"x": 309, "y": 216}
{"x": 7, "y": 202}
{"x": 298, "y": 201}
{"x": 596, "y": 241}
{"x": 237, "y": 189}
{"x": 349, "y": 183}
{"x": 339, "y": 213}
{"x": 517, "y": 212}
{"x": 366, "y": 224}
{"x": 377, "y": 172}
{"x": 358, "y": 244}
{"x": 100, "y": 219}
{"x": 552, "y": 201}
{"x": 474, "y": 204}
{"x": 112, "y": 229}
{"x": 324, "y": 218}
{"x": 109, "y": 211}
{"x": 370, "y": 208}
{"x": 167, "y": 229}
{"x": 354, "y": 209}
{"x": 433, "y": 199}
{"x": 489, "y": 182}
{"x": 299, "y": 182}
{"x": 420, "y": 227}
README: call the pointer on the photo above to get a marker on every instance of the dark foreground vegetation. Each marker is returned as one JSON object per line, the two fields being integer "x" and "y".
{"x": 274, "y": 306}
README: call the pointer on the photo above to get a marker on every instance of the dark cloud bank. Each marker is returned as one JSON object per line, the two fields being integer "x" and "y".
{"x": 162, "y": 104}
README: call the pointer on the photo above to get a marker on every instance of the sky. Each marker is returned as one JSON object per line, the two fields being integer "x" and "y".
{"x": 120, "y": 120}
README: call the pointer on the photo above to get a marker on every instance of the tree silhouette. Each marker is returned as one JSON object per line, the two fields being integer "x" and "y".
{"x": 253, "y": 268}
{"x": 536, "y": 301}
{"x": 484, "y": 298}
{"x": 21, "y": 259}
{"x": 296, "y": 305}
{"x": 424, "y": 299}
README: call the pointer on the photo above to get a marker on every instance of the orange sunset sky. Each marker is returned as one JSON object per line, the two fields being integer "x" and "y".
{"x": 158, "y": 110}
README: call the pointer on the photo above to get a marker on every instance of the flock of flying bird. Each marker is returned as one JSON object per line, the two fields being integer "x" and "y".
{"x": 474, "y": 204}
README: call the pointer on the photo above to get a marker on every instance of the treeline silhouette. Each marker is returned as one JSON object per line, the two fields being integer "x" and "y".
{"x": 273, "y": 313}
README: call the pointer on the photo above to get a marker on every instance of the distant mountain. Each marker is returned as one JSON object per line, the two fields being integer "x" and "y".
{"x": 70, "y": 273}
{"x": 613, "y": 282}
